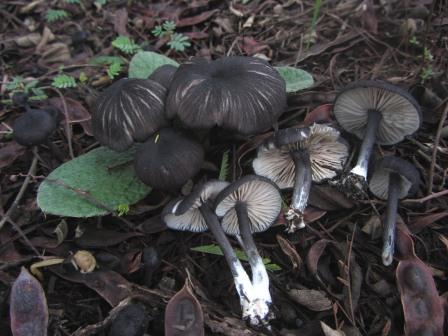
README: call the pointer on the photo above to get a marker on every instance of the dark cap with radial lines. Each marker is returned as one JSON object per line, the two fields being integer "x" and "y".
{"x": 379, "y": 181}
{"x": 242, "y": 94}
{"x": 183, "y": 214}
{"x": 261, "y": 197}
{"x": 129, "y": 110}
{"x": 168, "y": 159}
{"x": 400, "y": 113}
{"x": 164, "y": 75}
{"x": 328, "y": 153}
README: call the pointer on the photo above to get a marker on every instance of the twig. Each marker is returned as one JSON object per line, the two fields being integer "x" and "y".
{"x": 434, "y": 149}
{"x": 426, "y": 198}
{"x": 68, "y": 128}
{"x": 23, "y": 235}
{"x": 19, "y": 195}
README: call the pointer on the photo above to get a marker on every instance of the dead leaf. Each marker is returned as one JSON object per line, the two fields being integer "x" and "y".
{"x": 194, "y": 20}
{"x": 132, "y": 320}
{"x": 311, "y": 299}
{"x": 77, "y": 114}
{"x": 54, "y": 55}
{"x": 328, "y": 198}
{"x": 120, "y": 21}
{"x": 368, "y": 17}
{"x": 251, "y": 46}
{"x": 329, "y": 331}
{"x": 9, "y": 152}
{"x": 321, "y": 114}
{"x": 94, "y": 238}
{"x": 28, "y": 309}
{"x": 314, "y": 254}
{"x": 183, "y": 314}
{"x": 291, "y": 252}
{"x": 418, "y": 223}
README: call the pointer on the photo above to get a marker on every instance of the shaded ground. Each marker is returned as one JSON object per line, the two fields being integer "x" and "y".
{"x": 404, "y": 42}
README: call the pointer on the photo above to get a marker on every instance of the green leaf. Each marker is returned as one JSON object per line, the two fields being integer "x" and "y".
{"x": 157, "y": 31}
{"x": 17, "y": 82}
{"x": 107, "y": 60}
{"x": 179, "y": 42}
{"x": 104, "y": 176}
{"x": 54, "y": 15}
{"x": 73, "y": 1}
{"x": 296, "y": 79}
{"x": 169, "y": 26}
{"x": 216, "y": 250}
{"x": 114, "y": 70}
{"x": 224, "y": 170}
{"x": 144, "y": 63}
{"x": 64, "y": 81}
{"x": 126, "y": 45}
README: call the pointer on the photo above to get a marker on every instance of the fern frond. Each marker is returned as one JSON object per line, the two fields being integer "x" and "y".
{"x": 126, "y": 45}
{"x": 64, "y": 82}
{"x": 224, "y": 169}
{"x": 54, "y": 15}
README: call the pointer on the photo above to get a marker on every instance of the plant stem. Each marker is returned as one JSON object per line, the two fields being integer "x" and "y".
{"x": 391, "y": 219}
{"x": 373, "y": 122}
{"x": 302, "y": 187}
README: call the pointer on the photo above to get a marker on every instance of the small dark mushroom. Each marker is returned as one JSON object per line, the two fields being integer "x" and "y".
{"x": 132, "y": 320}
{"x": 168, "y": 159}
{"x": 295, "y": 157}
{"x": 195, "y": 213}
{"x": 247, "y": 206}
{"x": 164, "y": 75}
{"x": 34, "y": 127}
{"x": 376, "y": 112}
{"x": 242, "y": 94}
{"x": 129, "y": 111}
{"x": 392, "y": 179}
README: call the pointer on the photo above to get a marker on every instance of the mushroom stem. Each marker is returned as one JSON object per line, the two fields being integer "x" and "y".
{"x": 373, "y": 122}
{"x": 243, "y": 284}
{"x": 260, "y": 278}
{"x": 302, "y": 187}
{"x": 391, "y": 219}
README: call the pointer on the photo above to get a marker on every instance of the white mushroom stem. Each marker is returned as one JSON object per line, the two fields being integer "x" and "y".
{"x": 260, "y": 278}
{"x": 391, "y": 219}
{"x": 242, "y": 281}
{"x": 373, "y": 122}
{"x": 302, "y": 187}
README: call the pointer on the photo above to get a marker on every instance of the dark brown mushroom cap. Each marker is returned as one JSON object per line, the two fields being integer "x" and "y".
{"x": 262, "y": 198}
{"x": 400, "y": 112}
{"x": 168, "y": 159}
{"x": 379, "y": 181}
{"x": 129, "y": 110}
{"x": 243, "y": 94}
{"x": 328, "y": 153}
{"x": 35, "y": 127}
{"x": 164, "y": 75}
{"x": 183, "y": 214}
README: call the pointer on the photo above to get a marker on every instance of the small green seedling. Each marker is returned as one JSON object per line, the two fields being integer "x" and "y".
{"x": 177, "y": 41}
{"x": 64, "y": 82}
{"x": 126, "y": 45}
{"x": 54, "y": 15}
{"x": 29, "y": 88}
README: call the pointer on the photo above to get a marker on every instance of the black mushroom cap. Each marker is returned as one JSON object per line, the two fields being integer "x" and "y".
{"x": 168, "y": 159}
{"x": 129, "y": 110}
{"x": 164, "y": 75}
{"x": 400, "y": 113}
{"x": 183, "y": 214}
{"x": 261, "y": 197}
{"x": 242, "y": 94}
{"x": 379, "y": 181}
{"x": 327, "y": 152}
{"x": 35, "y": 126}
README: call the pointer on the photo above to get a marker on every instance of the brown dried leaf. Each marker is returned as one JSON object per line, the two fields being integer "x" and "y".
{"x": 311, "y": 299}
{"x": 321, "y": 114}
{"x": 28, "y": 309}
{"x": 120, "y": 21}
{"x": 193, "y": 20}
{"x": 329, "y": 331}
{"x": 9, "y": 152}
{"x": 418, "y": 223}
{"x": 183, "y": 314}
{"x": 314, "y": 254}
{"x": 291, "y": 252}
{"x": 94, "y": 238}
{"x": 328, "y": 198}
{"x": 54, "y": 55}
{"x": 76, "y": 112}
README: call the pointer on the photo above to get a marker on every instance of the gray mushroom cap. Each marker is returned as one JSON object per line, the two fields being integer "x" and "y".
{"x": 400, "y": 113}
{"x": 243, "y": 94}
{"x": 183, "y": 214}
{"x": 164, "y": 75}
{"x": 129, "y": 110}
{"x": 168, "y": 159}
{"x": 379, "y": 181}
{"x": 328, "y": 153}
{"x": 35, "y": 126}
{"x": 262, "y": 199}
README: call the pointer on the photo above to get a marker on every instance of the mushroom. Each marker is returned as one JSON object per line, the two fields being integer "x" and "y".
{"x": 195, "y": 213}
{"x": 35, "y": 126}
{"x": 376, "y": 112}
{"x": 247, "y": 206}
{"x": 164, "y": 75}
{"x": 242, "y": 94}
{"x": 168, "y": 159}
{"x": 393, "y": 179}
{"x": 294, "y": 157}
{"x": 129, "y": 110}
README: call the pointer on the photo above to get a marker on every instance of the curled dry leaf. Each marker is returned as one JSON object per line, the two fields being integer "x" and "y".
{"x": 314, "y": 254}
{"x": 328, "y": 198}
{"x": 311, "y": 299}
{"x": 28, "y": 308}
{"x": 54, "y": 55}
{"x": 77, "y": 114}
{"x": 422, "y": 306}
{"x": 291, "y": 252}
{"x": 321, "y": 114}
{"x": 418, "y": 223}
{"x": 330, "y": 331}
{"x": 183, "y": 314}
